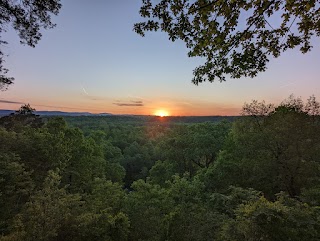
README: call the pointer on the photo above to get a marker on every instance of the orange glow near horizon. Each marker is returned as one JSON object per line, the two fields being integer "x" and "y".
{"x": 161, "y": 113}
{"x": 157, "y": 108}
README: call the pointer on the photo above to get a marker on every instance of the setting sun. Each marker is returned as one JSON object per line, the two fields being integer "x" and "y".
{"x": 161, "y": 113}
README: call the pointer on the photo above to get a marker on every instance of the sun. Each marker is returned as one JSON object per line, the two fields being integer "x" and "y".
{"x": 161, "y": 113}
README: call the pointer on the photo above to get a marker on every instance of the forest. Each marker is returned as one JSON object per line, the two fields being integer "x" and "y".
{"x": 255, "y": 177}
{"x": 252, "y": 177}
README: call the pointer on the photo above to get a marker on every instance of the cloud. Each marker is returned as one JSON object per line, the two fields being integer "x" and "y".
{"x": 137, "y": 101}
{"x": 11, "y": 102}
{"x": 84, "y": 90}
{"x": 32, "y": 104}
{"x": 128, "y": 104}
{"x": 86, "y": 95}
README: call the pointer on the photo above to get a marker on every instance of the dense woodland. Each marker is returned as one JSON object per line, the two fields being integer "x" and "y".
{"x": 256, "y": 177}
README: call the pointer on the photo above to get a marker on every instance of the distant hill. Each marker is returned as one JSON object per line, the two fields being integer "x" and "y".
{"x": 6, "y": 112}
{"x": 57, "y": 113}
{"x": 91, "y": 119}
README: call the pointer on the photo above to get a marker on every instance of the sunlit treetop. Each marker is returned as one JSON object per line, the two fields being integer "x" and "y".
{"x": 235, "y": 37}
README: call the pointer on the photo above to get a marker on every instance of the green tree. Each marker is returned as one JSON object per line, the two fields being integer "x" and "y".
{"x": 137, "y": 161}
{"x": 205, "y": 142}
{"x": 161, "y": 172}
{"x": 27, "y": 17}
{"x": 271, "y": 150}
{"x": 192, "y": 147}
{"x": 112, "y": 155}
{"x": 46, "y": 212}
{"x": 191, "y": 217}
{"x": 16, "y": 187}
{"x": 235, "y": 37}
{"x": 21, "y": 118}
{"x": 179, "y": 211}
{"x": 284, "y": 219}
{"x": 85, "y": 161}
{"x": 147, "y": 207}
{"x": 174, "y": 147}
{"x": 102, "y": 217}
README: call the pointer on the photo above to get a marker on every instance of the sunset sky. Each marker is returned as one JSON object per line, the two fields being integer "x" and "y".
{"x": 93, "y": 61}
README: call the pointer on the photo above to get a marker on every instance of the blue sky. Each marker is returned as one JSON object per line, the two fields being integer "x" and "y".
{"x": 93, "y": 61}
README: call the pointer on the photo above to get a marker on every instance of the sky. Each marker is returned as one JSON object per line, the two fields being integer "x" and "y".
{"x": 93, "y": 61}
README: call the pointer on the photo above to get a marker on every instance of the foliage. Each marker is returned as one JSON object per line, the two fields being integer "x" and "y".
{"x": 16, "y": 186}
{"x": 254, "y": 179}
{"x": 235, "y": 37}
{"x": 27, "y": 17}
{"x": 192, "y": 147}
{"x": 23, "y": 117}
{"x": 279, "y": 220}
{"x": 46, "y": 211}
{"x": 272, "y": 152}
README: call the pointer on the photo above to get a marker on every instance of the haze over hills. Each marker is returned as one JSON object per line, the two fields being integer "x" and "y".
{"x": 125, "y": 118}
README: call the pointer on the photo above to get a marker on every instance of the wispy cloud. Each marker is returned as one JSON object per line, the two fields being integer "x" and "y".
{"x": 136, "y": 101}
{"x": 84, "y": 90}
{"x": 11, "y": 102}
{"x": 128, "y": 104}
{"x": 36, "y": 105}
{"x": 86, "y": 95}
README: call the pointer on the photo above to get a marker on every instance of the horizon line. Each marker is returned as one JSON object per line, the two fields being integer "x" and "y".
{"x": 109, "y": 113}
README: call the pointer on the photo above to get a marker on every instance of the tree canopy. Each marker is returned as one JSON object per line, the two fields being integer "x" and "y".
{"x": 236, "y": 38}
{"x": 27, "y": 17}
{"x": 256, "y": 178}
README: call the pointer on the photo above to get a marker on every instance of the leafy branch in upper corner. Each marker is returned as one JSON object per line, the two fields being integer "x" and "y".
{"x": 27, "y": 17}
{"x": 235, "y": 37}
